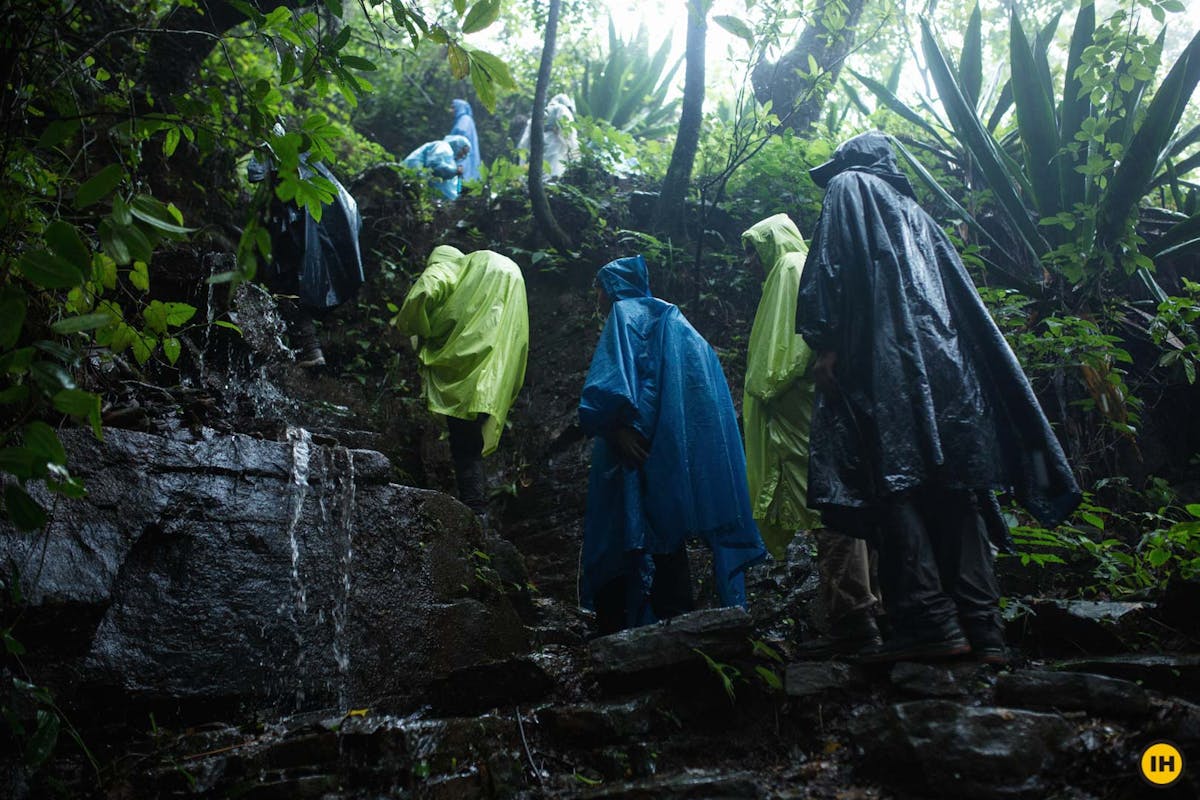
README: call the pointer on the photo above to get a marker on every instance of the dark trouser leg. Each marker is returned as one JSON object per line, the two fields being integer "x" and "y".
{"x": 671, "y": 592}
{"x": 610, "y": 606}
{"x": 908, "y": 575}
{"x": 302, "y": 333}
{"x": 844, "y": 569}
{"x": 964, "y": 561}
{"x": 466, "y": 449}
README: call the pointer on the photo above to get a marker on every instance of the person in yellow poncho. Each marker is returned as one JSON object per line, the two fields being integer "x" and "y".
{"x": 777, "y": 412}
{"x": 470, "y": 326}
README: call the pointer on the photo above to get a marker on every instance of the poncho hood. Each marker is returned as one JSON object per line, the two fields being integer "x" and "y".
{"x": 773, "y": 238}
{"x": 624, "y": 279}
{"x": 461, "y": 108}
{"x": 457, "y": 143}
{"x": 869, "y": 152}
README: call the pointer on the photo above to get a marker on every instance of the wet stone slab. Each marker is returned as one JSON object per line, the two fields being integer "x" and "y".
{"x": 717, "y": 632}
{"x": 1072, "y": 691}
{"x": 1171, "y": 673}
{"x": 929, "y": 680}
{"x": 806, "y": 678}
{"x": 689, "y": 785}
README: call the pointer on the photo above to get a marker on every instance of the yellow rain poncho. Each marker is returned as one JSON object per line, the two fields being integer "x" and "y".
{"x": 778, "y": 398}
{"x": 469, "y": 317}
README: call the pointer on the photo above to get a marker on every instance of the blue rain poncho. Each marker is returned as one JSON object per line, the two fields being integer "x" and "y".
{"x": 654, "y": 373}
{"x": 437, "y": 159}
{"x": 778, "y": 400}
{"x": 464, "y": 125}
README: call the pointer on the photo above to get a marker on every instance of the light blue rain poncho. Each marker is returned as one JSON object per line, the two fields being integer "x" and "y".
{"x": 437, "y": 158}
{"x": 653, "y": 372}
{"x": 464, "y": 125}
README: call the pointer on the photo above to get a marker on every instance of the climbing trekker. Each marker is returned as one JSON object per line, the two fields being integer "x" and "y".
{"x": 315, "y": 266}
{"x": 776, "y": 415}
{"x": 922, "y": 411}
{"x": 464, "y": 126}
{"x": 470, "y": 327}
{"x": 667, "y": 463}
{"x": 561, "y": 140}
{"x": 440, "y": 159}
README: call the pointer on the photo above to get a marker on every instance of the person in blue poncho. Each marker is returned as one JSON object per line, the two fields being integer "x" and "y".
{"x": 440, "y": 159}
{"x": 464, "y": 126}
{"x": 667, "y": 463}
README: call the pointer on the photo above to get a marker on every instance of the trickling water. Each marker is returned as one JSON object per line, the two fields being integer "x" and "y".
{"x": 345, "y": 542}
{"x": 301, "y": 441}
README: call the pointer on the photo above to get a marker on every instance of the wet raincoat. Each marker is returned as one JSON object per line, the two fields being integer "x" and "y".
{"x": 437, "y": 158}
{"x": 464, "y": 126}
{"x": 560, "y": 139}
{"x": 324, "y": 255}
{"x": 471, "y": 322}
{"x": 653, "y": 372}
{"x": 930, "y": 392}
{"x": 778, "y": 397}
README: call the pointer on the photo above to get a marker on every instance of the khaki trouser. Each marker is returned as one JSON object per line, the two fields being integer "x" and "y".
{"x": 848, "y": 582}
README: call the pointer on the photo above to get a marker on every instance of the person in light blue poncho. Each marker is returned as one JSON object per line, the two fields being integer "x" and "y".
{"x": 464, "y": 126}
{"x": 667, "y": 463}
{"x": 440, "y": 159}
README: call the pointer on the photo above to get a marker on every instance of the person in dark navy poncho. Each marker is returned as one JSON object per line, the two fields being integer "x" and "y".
{"x": 922, "y": 410}
{"x": 667, "y": 464}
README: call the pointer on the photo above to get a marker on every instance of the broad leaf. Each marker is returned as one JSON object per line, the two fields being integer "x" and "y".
{"x": 99, "y": 185}
{"x": 25, "y": 513}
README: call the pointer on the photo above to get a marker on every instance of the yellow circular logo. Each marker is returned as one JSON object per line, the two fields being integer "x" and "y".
{"x": 1161, "y": 764}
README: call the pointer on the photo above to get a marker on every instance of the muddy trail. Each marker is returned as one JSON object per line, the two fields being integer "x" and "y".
{"x": 270, "y": 593}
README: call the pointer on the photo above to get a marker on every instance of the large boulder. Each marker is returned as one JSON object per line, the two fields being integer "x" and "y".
{"x": 281, "y": 575}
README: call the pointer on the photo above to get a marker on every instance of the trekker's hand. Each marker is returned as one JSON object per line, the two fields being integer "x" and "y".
{"x": 632, "y": 446}
{"x": 823, "y": 371}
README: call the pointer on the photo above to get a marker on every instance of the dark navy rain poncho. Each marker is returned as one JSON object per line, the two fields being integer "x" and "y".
{"x": 930, "y": 392}
{"x": 464, "y": 125}
{"x": 653, "y": 372}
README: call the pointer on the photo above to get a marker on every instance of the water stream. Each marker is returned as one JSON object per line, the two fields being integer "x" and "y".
{"x": 301, "y": 441}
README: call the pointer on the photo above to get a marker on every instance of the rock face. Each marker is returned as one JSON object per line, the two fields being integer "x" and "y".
{"x": 957, "y": 751}
{"x": 284, "y": 574}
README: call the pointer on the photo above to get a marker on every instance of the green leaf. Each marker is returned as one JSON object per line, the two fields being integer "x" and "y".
{"x": 43, "y": 441}
{"x": 80, "y": 405}
{"x": 12, "y": 646}
{"x": 155, "y": 315}
{"x": 13, "y": 305}
{"x": 14, "y": 394}
{"x": 179, "y": 313}
{"x": 25, "y": 513}
{"x": 49, "y": 271}
{"x": 65, "y": 242}
{"x": 1035, "y": 119}
{"x": 143, "y": 346}
{"x": 171, "y": 141}
{"x": 44, "y": 738}
{"x": 171, "y": 349}
{"x": 358, "y": 62}
{"x": 737, "y": 27}
{"x": 157, "y": 214}
{"x": 58, "y": 132}
{"x": 898, "y": 106}
{"x": 83, "y": 322}
{"x": 139, "y": 276}
{"x": 221, "y": 323}
{"x": 99, "y": 185}
{"x": 1193, "y": 509}
{"x": 460, "y": 62}
{"x": 495, "y": 68}
{"x": 481, "y": 15}
{"x": 970, "y": 70}
{"x": 460, "y": 7}
{"x": 18, "y": 461}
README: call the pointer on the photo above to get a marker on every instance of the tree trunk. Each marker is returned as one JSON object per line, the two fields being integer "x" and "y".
{"x": 669, "y": 216}
{"x": 543, "y": 216}
{"x": 796, "y": 96}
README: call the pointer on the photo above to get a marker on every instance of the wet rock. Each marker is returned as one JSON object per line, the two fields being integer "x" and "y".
{"x": 949, "y": 750}
{"x": 926, "y": 680}
{"x": 596, "y": 724}
{"x": 1064, "y": 627}
{"x": 806, "y": 678}
{"x": 718, "y": 632}
{"x": 479, "y": 687}
{"x": 689, "y": 785}
{"x": 236, "y": 570}
{"x": 1072, "y": 691}
{"x": 1173, "y": 674}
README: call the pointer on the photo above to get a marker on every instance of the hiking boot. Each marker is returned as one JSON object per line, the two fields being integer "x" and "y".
{"x": 916, "y": 647}
{"x": 987, "y": 645}
{"x": 308, "y": 347}
{"x": 849, "y": 637}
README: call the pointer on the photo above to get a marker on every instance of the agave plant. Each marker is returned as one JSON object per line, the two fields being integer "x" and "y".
{"x": 629, "y": 89}
{"x": 1068, "y": 181}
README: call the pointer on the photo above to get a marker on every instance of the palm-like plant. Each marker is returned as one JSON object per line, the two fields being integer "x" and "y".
{"x": 1067, "y": 182}
{"x": 629, "y": 88}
